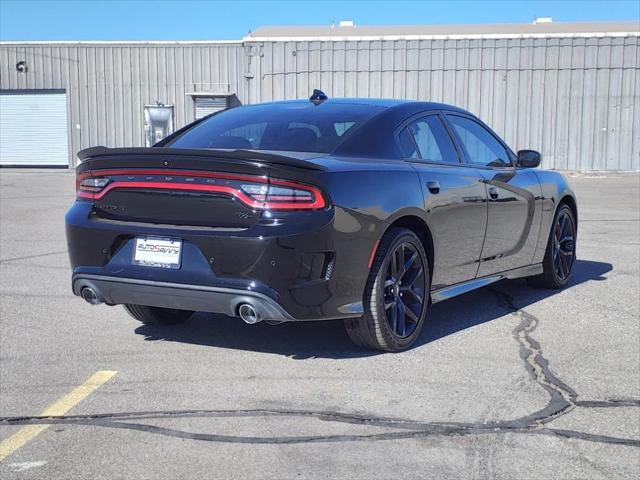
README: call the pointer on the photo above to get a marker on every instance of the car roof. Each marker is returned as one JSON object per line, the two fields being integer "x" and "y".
{"x": 391, "y": 103}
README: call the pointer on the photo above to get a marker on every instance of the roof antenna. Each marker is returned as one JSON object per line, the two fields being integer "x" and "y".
{"x": 318, "y": 97}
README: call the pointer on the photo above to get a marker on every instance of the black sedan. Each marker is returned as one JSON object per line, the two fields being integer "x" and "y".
{"x": 357, "y": 209}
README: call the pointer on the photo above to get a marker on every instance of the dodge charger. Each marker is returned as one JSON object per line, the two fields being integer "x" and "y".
{"x": 364, "y": 210}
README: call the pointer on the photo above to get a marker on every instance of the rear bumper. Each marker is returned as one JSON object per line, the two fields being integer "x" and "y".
{"x": 201, "y": 298}
{"x": 281, "y": 266}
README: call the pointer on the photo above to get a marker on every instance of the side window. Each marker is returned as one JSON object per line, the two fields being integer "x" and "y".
{"x": 481, "y": 146}
{"x": 432, "y": 140}
{"x": 342, "y": 127}
{"x": 408, "y": 145}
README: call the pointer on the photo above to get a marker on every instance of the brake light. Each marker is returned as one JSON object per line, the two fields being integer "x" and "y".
{"x": 93, "y": 184}
{"x": 257, "y": 192}
{"x": 275, "y": 196}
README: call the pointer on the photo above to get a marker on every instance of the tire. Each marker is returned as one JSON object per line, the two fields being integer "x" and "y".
{"x": 560, "y": 254}
{"x": 388, "y": 329}
{"x": 157, "y": 315}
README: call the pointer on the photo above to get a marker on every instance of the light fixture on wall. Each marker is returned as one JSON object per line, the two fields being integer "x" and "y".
{"x": 22, "y": 67}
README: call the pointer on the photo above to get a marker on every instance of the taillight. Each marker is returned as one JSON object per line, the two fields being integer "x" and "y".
{"x": 257, "y": 192}
{"x": 93, "y": 184}
{"x": 282, "y": 195}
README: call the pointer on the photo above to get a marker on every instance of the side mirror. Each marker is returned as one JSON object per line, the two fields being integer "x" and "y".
{"x": 528, "y": 158}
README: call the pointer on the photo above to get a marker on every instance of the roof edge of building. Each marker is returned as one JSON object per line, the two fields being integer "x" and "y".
{"x": 441, "y": 31}
{"x": 121, "y": 42}
{"x": 352, "y": 38}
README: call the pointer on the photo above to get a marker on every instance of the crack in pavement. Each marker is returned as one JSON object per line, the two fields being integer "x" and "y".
{"x": 563, "y": 397}
{"x": 607, "y": 403}
{"x": 407, "y": 428}
{"x": 27, "y": 257}
{"x": 562, "y": 400}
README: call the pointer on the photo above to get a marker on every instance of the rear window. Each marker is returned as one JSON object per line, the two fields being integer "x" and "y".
{"x": 296, "y": 127}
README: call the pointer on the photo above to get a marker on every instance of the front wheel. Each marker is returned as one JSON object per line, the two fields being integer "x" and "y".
{"x": 157, "y": 315}
{"x": 560, "y": 254}
{"x": 396, "y": 296}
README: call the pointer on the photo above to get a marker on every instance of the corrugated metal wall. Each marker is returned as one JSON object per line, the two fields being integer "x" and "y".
{"x": 577, "y": 100}
{"x": 574, "y": 99}
{"x": 107, "y": 86}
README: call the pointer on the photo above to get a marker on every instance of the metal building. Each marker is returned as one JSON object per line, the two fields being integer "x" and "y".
{"x": 570, "y": 90}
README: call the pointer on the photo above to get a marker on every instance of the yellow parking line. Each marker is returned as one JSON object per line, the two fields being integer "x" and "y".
{"x": 62, "y": 406}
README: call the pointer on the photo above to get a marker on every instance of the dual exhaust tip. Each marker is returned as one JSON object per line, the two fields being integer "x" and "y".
{"x": 245, "y": 311}
{"x": 90, "y": 296}
{"x": 249, "y": 314}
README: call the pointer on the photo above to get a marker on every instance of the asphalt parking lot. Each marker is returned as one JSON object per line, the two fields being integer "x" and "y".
{"x": 506, "y": 382}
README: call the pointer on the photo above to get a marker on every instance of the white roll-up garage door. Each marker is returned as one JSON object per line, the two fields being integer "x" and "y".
{"x": 33, "y": 128}
{"x": 208, "y": 105}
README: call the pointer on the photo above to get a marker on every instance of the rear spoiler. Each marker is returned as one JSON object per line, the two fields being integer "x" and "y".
{"x": 244, "y": 155}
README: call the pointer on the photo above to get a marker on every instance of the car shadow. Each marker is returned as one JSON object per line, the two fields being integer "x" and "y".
{"x": 328, "y": 339}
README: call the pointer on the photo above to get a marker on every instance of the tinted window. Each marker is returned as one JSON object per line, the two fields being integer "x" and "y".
{"x": 247, "y": 136}
{"x": 432, "y": 140}
{"x": 408, "y": 145}
{"x": 308, "y": 126}
{"x": 298, "y": 127}
{"x": 342, "y": 127}
{"x": 481, "y": 146}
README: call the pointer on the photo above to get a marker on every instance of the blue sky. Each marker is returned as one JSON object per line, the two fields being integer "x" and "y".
{"x": 214, "y": 20}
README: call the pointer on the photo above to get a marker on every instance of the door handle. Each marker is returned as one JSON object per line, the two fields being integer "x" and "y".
{"x": 493, "y": 193}
{"x": 434, "y": 187}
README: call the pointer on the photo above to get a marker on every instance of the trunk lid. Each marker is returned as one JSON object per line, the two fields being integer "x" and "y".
{"x": 179, "y": 186}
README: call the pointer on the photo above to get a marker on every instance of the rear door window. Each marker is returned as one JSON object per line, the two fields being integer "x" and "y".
{"x": 431, "y": 139}
{"x": 408, "y": 144}
{"x": 342, "y": 127}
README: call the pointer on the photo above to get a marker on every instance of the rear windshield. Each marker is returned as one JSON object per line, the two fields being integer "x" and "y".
{"x": 296, "y": 127}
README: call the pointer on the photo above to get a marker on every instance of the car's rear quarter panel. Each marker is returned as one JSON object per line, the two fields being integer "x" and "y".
{"x": 367, "y": 197}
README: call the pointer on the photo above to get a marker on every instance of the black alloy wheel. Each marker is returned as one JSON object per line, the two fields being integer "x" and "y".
{"x": 563, "y": 249}
{"x": 396, "y": 297}
{"x": 404, "y": 290}
{"x": 560, "y": 255}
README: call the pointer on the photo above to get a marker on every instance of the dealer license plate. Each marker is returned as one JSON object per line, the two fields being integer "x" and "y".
{"x": 157, "y": 252}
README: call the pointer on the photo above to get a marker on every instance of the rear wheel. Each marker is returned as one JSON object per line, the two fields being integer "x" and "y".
{"x": 560, "y": 254}
{"x": 157, "y": 315}
{"x": 396, "y": 296}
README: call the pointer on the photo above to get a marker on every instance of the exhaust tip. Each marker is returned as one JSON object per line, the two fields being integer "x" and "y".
{"x": 90, "y": 296}
{"x": 249, "y": 314}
